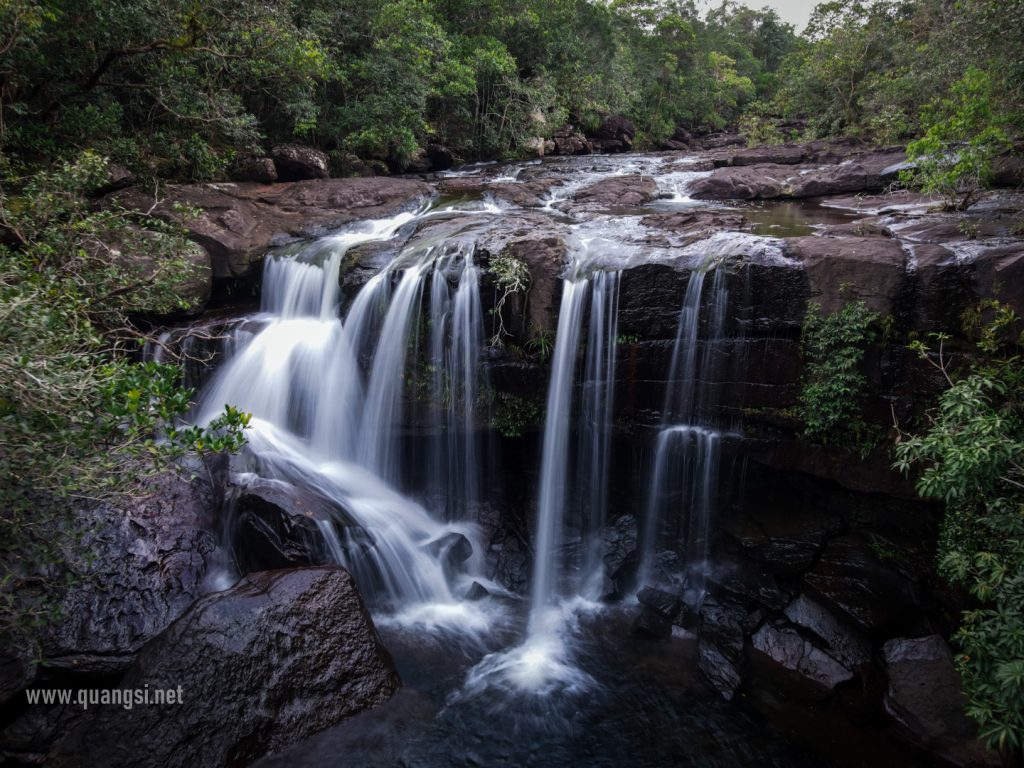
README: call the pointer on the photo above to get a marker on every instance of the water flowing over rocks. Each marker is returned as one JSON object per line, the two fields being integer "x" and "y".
{"x": 409, "y": 436}
{"x": 260, "y": 667}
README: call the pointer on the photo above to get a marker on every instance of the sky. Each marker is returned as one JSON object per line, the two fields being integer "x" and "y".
{"x": 796, "y": 12}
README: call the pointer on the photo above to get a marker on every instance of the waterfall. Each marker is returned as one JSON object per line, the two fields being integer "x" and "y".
{"x": 543, "y": 663}
{"x": 685, "y": 471}
{"x": 327, "y": 399}
{"x": 595, "y": 432}
{"x": 555, "y": 450}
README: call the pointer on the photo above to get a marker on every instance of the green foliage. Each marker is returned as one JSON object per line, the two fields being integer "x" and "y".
{"x": 542, "y": 344}
{"x": 80, "y": 419}
{"x": 511, "y": 277}
{"x": 833, "y": 391}
{"x": 963, "y": 137}
{"x": 512, "y": 414}
{"x": 972, "y": 457}
{"x": 886, "y": 70}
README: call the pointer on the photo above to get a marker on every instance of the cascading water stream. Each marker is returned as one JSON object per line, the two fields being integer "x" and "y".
{"x": 319, "y": 424}
{"x": 543, "y": 664}
{"x": 687, "y": 450}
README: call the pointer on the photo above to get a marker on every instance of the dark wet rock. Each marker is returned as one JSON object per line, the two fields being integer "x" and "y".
{"x": 509, "y": 561}
{"x": 259, "y": 666}
{"x": 844, "y": 269}
{"x": 748, "y": 583}
{"x": 619, "y": 548}
{"x": 786, "y": 647}
{"x": 526, "y": 194}
{"x": 239, "y": 223}
{"x": 848, "y": 646}
{"x": 260, "y": 169}
{"x": 295, "y": 162}
{"x": 719, "y": 669}
{"x": 1008, "y": 170}
{"x": 660, "y": 601}
{"x": 16, "y": 672}
{"x": 276, "y": 526}
{"x": 925, "y": 697}
{"x": 652, "y": 625}
{"x": 850, "y": 580}
{"x": 140, "y": 565}
{"x": 476, "y": 591}
{"x": 786, "y": 541}
{"x": 29, "y": 738}
{"x": 722, "y": 628}
{"x": 450, "y": 550}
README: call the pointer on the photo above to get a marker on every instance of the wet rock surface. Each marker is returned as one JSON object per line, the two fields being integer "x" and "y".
{"x": 925, "y": 698}
{"x": 788, "y": 649}
{"x": 260, "y": 667}
{"x": 141, "y": 566}
{"x": 275, "y": 525}
{"x": 240, "y": 222}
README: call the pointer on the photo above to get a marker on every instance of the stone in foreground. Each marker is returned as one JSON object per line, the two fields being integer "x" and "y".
{"x": 277, "y": 658}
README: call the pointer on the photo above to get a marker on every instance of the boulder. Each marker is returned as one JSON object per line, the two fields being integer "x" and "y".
{"x": 926, "y": 699}
{"x": 615, "y": 134}
{"x": 720, "y": 645}
{"x": 664, "y": 603}
{"x": 239, "y": 223}
{"x": 763, "y": 182}
{"x": 261, "y": 169}
{"x": 719, "y": 140}
{"x": 568, "y": 141}
{"x": 780, "y": 177}
{"x": 295, "y": 162}
{"x": 848, "y": 646}
{"x": 476, "y": 591}
{"x": 140, "y": 566}
{"x": 434, "y": 157}
{"x": 784, "y": 646}
{"x": 618, "y": 191}
{"x": 450, "y": 550}
{"x": 273, "y": 660}
{"x": 275, "y": 525}
{"x": 866, "y": 172}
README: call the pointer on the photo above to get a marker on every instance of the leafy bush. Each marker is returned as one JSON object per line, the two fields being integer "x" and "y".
{"x": 972, "y": 457}
{"x": 833, "y": 349}
{"x": 964, "y": 136}
{"x": 80, "y": 419}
